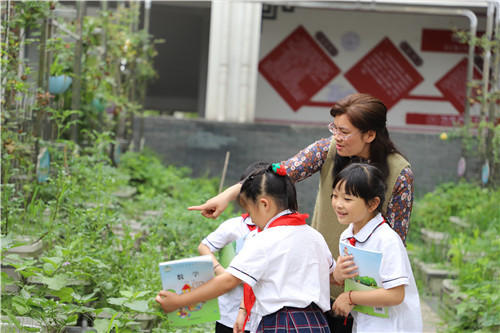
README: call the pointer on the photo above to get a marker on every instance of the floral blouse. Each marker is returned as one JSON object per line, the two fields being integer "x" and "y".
{"x": 310, "y": 160}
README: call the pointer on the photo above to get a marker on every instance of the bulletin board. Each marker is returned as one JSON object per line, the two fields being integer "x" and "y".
{"x": 309, "y": 58}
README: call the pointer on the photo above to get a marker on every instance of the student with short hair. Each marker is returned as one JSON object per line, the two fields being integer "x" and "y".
{"x": 358, "y": 191}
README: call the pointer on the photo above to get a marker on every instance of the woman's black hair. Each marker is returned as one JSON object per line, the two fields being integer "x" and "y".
{"x": 364, "y": 181}
{"x": 366, "y": 113}
{"x": 267, "y": 182}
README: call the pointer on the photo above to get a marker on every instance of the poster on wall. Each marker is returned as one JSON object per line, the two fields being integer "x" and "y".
{"x": 311, "y": 58}
{"x": 298, "y": 68}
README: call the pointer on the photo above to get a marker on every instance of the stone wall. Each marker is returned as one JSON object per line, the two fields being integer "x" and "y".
{"x": 202, "y": 145}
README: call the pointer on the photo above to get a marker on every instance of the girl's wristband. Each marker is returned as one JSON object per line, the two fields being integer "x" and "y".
{"x": 216, "y": 266}
{"x": 350, "y": 299}
{"x": 242, "y": 308}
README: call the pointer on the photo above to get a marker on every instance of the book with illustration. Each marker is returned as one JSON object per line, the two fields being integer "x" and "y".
{"x": 183, "y": 275}
{"x": 368, "y": 277}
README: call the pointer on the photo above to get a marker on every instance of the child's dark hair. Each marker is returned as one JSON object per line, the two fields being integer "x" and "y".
{"x": 364, "y": 181}
{"x": 252, "y": 168}
{"x": 268, "y": 182}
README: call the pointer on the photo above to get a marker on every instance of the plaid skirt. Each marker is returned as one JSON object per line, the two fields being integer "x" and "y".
{"x": 295, "y": 320}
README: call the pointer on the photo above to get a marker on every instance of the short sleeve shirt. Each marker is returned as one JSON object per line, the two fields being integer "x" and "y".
{"x": 227, "y": 232}
{"x": 285, "y": 266}
{"x": 395, "y": 270}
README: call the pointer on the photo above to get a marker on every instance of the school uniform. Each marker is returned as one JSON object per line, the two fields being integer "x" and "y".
{"x": 227, "y": 232}
{"x": 288, "y": 268}
{"x": 395, "y": 270}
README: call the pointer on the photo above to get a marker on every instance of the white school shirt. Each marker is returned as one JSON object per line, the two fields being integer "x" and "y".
{"x": 395, "y": 270}
{"x": 227, "y": 232}
{"x": 285, "y": 266}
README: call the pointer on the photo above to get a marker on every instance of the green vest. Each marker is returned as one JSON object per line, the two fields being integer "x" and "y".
{"x": 324, "y": 218}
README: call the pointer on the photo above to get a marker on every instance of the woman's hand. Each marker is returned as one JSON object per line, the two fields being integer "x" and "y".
{"x": 168, "y": 301}
{"x": 341, "y": 307}
{"x": 216, "y": 205}
{"x": 344, "y": 269}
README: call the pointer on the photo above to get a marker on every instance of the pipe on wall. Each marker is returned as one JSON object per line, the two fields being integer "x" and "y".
{"x": 403, "y": 8}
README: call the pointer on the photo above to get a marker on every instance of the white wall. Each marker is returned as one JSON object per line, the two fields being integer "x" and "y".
{"x": 366, "y": 30}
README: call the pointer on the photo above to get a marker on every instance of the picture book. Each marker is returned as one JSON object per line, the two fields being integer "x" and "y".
{"x": 228, "y": 252}
{"x": 368, "y": 277}
{"x": 181, "y": 276}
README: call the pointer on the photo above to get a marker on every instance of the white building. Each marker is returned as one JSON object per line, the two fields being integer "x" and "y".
{"x": 289, "y": 61}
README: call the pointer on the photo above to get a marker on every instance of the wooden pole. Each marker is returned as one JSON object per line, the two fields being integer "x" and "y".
{"x": 75, "y": 97}
{"x": 223, "y": 177}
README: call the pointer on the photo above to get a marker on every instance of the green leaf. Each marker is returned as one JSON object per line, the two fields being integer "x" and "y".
{"x": 65, "y": 294}
{"x": 48, "y": 268}
{"x": 126, "y": 293}
{"x": 6, "y": 280}
{"x": 20, "y": 305}
{"x": 101, "y": 325}
{"x": 71, "y": 320}
{"x": 55, "y": 283}
{"x": 139, "y": 306}
{"x": 99, "y": 263}
{"x": 54, "y": 261}
{"x": 25, "y": 294}
{"x": 141, "y": 293}
{"x": 117, "y": 301}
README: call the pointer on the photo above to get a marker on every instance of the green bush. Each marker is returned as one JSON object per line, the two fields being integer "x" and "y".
{"x": 473, "y": 250}
{"x": 434, "y": 209}
{"x": 90, "y": 238}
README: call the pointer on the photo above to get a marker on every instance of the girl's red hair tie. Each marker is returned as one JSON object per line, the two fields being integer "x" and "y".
{"x": 279, "y": 169}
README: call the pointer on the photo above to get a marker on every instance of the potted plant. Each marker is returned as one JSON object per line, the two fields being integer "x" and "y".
{"x": 61, "y": 66}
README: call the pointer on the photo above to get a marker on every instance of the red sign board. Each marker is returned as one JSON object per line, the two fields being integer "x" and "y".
{"x": 453, "y": 85}
{"x": 436, "y": 119}
{"x": 384, "y": 73}
{"x": 437, "y": 40}
{"x": 298, "y": 68}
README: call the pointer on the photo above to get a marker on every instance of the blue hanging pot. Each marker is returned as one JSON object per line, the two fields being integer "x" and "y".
{"x": 59, "y": 84}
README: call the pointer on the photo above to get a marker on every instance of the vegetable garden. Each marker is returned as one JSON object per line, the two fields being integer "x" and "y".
{"x": 86, "y": 217}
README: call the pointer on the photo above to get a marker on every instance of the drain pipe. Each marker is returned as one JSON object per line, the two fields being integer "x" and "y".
{"x": 377, "y": 6}
{"x": 494, "y": 108}
{"x": 487, "y": 60}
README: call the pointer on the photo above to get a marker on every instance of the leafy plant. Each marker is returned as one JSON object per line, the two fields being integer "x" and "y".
{"x": 62, "y": 56}
{"x": 474, "y": 251}
{"x": 46, "y": 288}
{"x": 481, "y": 139}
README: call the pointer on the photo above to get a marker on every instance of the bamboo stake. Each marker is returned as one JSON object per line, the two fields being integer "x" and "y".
{"x": 226, "y": 162}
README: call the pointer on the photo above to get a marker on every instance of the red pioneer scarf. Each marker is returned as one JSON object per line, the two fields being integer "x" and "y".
{"x": 250, "y": 227}
{"x": 289, "y": 219}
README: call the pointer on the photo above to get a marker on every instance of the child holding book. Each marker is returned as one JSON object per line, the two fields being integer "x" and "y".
{"x": 288, "y": 264}
{"x": 358, "y": 191}
{"x": 231, "y": 230}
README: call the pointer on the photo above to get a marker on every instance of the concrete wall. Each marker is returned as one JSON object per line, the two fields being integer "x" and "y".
{"x": 202, "y": 145}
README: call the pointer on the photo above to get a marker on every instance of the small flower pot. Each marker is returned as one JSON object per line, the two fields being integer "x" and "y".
{"x": 31, "y": 249}
{"x": 125, "y": 192}
{"x": 449, "y": 302}
{"x": 27, "y": 324}
{"x": 433, "y": 276}
{"x": 436, "y": 240}
{"x": 459, "y": 223}
{"x": 59, "y": 84}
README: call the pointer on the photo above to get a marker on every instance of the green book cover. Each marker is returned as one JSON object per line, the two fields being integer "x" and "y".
{"x": 368, "y": 263}
{"x": 183, "y": 275}
{"x": 228, "y": 252}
